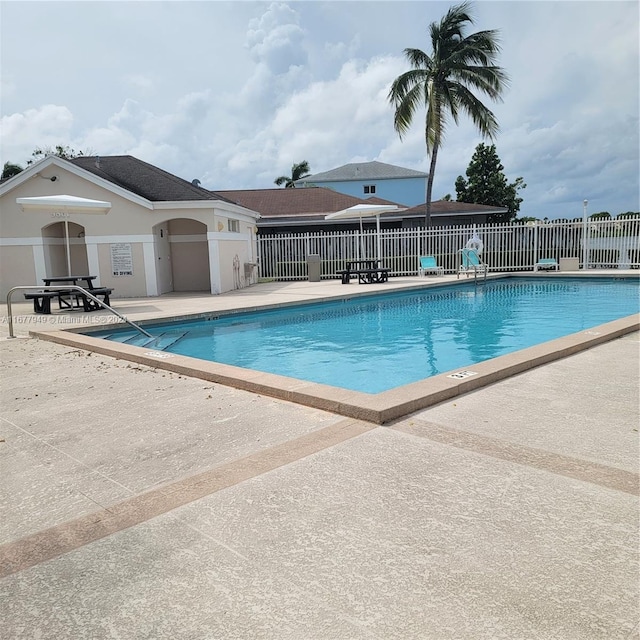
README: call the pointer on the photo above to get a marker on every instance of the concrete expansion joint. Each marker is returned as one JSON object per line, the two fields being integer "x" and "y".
{"x": 576, "y": 468}
{"x": 44, "y": 545}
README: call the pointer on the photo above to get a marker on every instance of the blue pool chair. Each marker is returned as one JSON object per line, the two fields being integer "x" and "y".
{"x": 470, "y": 262}
{"x": 546, "y": 263}
{"x": 428, "y": 264}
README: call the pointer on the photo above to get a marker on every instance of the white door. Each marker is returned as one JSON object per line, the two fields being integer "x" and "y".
{"x": 163, "y": 259}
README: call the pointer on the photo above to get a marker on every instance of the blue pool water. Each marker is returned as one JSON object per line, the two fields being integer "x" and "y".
{"x": 384, "y": 341}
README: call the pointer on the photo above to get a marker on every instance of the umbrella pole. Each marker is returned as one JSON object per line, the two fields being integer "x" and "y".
{"x": 66, "y": 233}
{"x": 361, "y": 248}
{"x": 379, "y": 239}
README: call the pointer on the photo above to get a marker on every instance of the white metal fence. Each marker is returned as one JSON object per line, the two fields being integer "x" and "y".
{"x": 507, "y": 247}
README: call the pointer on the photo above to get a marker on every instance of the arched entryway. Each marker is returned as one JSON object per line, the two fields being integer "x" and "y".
{"x": 65, "y": 251}
{"x": 182, "y": 256}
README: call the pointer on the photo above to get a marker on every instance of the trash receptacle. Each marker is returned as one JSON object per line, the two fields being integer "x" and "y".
{"x": 313, "y": 267}
{"x": 569, "y": 264}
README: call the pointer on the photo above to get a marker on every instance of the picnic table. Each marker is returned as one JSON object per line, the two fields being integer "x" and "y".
{"x": 88, "y": 281}
{"x": 68, "y": 298}
{"x": 367, "y": 271}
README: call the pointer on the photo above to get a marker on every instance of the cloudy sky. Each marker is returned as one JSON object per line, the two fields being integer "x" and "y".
{"x": 233, "y": 93}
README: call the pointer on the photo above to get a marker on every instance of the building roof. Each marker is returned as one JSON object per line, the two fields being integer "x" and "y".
{"x": 296, "y": 203}
{"x": 143, "y": 179}
{"x": 282, "y": 205}
{"x": 451, "y": 207}
{"x": 363, "y": 171}
{"x": 309, "y": 206}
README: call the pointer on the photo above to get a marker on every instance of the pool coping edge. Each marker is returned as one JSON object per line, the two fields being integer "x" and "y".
{"x": 379, "y": 408}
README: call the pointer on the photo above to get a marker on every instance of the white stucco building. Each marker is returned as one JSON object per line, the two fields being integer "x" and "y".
{"x": 138, "y": 229}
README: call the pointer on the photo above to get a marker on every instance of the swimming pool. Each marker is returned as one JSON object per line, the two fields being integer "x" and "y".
{"x": 377, "y": 343}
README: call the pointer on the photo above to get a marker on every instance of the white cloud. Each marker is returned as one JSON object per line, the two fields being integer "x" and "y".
{"x": 35, "y": 128}
{"x": 276, "y": 39}
{"x": 328, "y": 121}
{"x": 166, "y": 139}
{"x": 108, "y": 141}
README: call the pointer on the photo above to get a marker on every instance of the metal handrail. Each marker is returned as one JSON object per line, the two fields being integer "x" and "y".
{"x": 475, "y": 275}
{"x": 66, "y": 288}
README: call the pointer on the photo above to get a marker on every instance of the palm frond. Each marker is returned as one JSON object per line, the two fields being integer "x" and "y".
{"x": 407, "y": 94}
{"x": 482, "y": 117}
{"x": 418, "y": 59}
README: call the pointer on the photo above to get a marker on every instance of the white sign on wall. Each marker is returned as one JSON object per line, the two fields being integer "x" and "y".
{"x": 121, "y": 259}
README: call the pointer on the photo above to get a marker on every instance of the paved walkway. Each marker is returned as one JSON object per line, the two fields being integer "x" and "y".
{"x": 137, "y": 503}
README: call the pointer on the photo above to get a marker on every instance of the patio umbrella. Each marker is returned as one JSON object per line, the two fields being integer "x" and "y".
{"x": 64, "y": 205}
{"x": 364, "y": 211}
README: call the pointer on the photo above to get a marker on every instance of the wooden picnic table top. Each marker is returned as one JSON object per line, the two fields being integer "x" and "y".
{"x": 362, "y": 264}
{"x": 69, "y": 280}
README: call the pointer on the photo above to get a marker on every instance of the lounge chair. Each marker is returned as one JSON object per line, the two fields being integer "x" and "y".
{"x": 428, "y": 264}
{"x": 546, "y": 263}
{"x": 470, "y": 262}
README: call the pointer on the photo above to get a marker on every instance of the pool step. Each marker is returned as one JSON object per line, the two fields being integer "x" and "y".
{"x": 119, "y": 337}
{"x": 160, "y": 342}
{"x": 165, "y": 340}
{"x": 138, "y": 340}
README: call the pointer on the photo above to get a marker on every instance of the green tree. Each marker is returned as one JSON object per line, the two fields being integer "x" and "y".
{"x": 298, "y": 171}
{"x": 487, "y": 184}
{"x": 444, "y": 82}
{"x": 64, "y": 152}
{"x": 10, "y": 169}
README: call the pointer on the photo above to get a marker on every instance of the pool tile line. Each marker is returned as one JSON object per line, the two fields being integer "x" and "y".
{"x": 575, "y": 468}
{"x": 55, "y": 541}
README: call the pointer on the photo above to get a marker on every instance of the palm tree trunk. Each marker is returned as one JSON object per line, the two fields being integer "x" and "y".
{"x": 427, "y": 216}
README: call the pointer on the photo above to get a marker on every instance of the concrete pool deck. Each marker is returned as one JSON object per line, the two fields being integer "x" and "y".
{"x": 142, "y": 503}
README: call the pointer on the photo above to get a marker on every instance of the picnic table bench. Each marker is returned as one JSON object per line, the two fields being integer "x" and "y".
{"x": 42, "y": 300}
{"x": 69, "y": 298}
{"x": 367, "y": 272}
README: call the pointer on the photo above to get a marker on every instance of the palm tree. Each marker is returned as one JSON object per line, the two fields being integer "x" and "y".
{"x": 444, "y": 82}
{"x": 9, "y": 170}
{"x": 300, "y": 170}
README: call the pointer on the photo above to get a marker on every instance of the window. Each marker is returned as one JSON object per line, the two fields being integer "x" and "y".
{"x": 234, "y": 225}
{"x": 369, "y": 188}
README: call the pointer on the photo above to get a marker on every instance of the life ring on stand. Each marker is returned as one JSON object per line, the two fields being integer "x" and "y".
{"x": 475, "y": 243}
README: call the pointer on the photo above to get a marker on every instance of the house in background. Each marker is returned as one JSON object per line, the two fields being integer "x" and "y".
{"x": 285, "y": 211}
{"x": 447, "y": 213}
{"x": 140, "y": 230}
{"x": 366, "y": 179}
